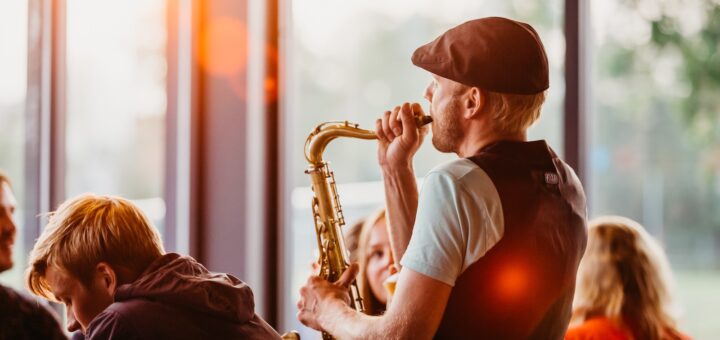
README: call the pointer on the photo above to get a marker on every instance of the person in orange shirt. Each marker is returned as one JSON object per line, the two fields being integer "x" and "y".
{"x": 622, "y": 285}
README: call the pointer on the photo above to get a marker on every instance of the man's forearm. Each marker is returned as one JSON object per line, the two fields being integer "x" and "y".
{"x": 401, "y": 199}
{"x": 344, "y": 322}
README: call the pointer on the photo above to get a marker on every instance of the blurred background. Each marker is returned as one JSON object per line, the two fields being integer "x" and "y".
{"x": 198, "y": 110}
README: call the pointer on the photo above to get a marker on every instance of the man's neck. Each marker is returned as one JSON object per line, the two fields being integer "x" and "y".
{"x": 473, "y": 143}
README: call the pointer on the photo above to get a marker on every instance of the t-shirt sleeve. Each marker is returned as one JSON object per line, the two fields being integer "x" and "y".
{"x": 454, "y": 226}
{"x": 436, "y": 248}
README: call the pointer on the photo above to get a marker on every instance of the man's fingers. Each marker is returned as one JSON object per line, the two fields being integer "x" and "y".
{"x": 410, "y": 129}
{"x": 395, "y": 123}
{"x": 303, "y": 318}
{"x": 379, "y": 131}
{"x": 417, "y": 109}
{"x": 389, "y": 135}
{"x": 348, "y": 276}
{"x": 418, "y": 112}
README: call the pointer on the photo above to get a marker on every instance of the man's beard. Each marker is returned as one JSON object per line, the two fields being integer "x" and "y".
{"x": 447, "y": 131}
{"x": 6, "y": 261}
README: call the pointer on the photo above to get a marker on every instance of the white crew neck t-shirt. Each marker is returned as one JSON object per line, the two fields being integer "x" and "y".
{"x": 459, "y": 219}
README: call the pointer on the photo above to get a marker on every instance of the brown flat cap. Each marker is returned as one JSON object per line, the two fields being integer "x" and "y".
{"x": 494, "y": 54}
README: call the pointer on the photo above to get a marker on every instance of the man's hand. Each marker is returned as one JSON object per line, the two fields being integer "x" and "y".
{"x": 318, "y": 296}
{"x": 399, "y": 138}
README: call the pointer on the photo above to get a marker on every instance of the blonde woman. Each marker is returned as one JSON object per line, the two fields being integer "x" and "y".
{"x": 375, "y": 259}
{"x": 368, "y": 243}
{"x": 622, "y": 287}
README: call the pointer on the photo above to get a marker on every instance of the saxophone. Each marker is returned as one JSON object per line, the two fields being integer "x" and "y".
{"x": 326, "y": 208}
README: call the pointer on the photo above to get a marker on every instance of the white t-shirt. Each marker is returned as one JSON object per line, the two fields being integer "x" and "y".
{"x": 459, "y": 219}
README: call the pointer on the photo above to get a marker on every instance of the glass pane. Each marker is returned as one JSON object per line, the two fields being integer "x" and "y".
{"x": 655, "y": 145}
{"x": 350, "y": 60}
{"x": 13, "y": 67}
{"x": 116, "y": 101}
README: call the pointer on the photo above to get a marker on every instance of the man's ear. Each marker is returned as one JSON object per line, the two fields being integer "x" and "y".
{"x": 107, "y": 277}
{"x": 474, "y": 102}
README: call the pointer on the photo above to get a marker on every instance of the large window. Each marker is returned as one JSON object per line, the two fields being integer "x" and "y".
{"x": 13, "y": 62}
{"x": 350, "y": 60}
{"x": 655, "y": 141}
{"x": 116, "y": 101}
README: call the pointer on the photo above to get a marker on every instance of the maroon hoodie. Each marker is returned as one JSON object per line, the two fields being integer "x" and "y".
{"x": 177, "y": 298}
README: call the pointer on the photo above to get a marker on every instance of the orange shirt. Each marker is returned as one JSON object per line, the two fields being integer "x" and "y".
{"x": 602, "y": 328}
{"x": 596, "y": 329}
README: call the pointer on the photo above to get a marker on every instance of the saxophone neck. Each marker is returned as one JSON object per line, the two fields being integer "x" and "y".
{"x": 324, "y": 133}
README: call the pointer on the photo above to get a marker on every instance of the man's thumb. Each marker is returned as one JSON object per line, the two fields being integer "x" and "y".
{"x": 348, "y": 275}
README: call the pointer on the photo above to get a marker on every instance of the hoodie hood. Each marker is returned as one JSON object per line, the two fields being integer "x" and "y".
{"x": 183, "y": 282}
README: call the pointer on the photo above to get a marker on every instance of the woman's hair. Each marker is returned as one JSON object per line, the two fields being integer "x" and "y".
{"x": 351, "y": 236}
{"x": 87, "y": 230}
{"x": 625, "y": 277}
{"x": 372, "y": 305}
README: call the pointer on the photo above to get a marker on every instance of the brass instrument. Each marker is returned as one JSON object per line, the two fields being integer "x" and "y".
{"x": 326, "y": 208}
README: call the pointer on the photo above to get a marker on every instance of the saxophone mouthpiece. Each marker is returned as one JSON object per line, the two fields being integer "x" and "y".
{"x": 423, "y": 120}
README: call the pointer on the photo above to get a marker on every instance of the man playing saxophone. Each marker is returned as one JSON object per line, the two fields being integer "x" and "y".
{"x": 491, "y": 245}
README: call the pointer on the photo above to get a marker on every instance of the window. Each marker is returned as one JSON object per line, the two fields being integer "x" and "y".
{"x": 116, "y": 101}
{"x": 654, "y": 146}
{"x": 351, "y": 61}
{"x": 13, "y": 61}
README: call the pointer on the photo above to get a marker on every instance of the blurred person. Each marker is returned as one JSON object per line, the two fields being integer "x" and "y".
{"x": 352, "y": 238}
{"x": 623, "y": 285}
{"x": 21, "y": 317}
{"x": 491, "y": 246}
{"x": 375, "y": 263}
{"x": 103, "y": 259}
{"x": 368, "y": 245}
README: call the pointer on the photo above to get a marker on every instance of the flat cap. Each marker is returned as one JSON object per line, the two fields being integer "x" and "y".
{"x": 494, "y": 54}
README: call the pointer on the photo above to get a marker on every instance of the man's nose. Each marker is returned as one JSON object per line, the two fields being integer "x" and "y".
{"x": 7, "y": 225}
{"x": 72, "y": 324}
{"x": 13, "y": 226}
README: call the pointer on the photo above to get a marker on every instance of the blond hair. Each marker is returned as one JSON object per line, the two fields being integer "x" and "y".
{"x": 625, "y": 277}
{"x": 372, "y": 304}
{"x": 351, "y": 236}
{"x": 514, "y": 112}
{"x": 90, "y": 229}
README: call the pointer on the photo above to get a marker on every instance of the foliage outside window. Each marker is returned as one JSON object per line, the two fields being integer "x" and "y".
{"x": 655, "y": 138}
